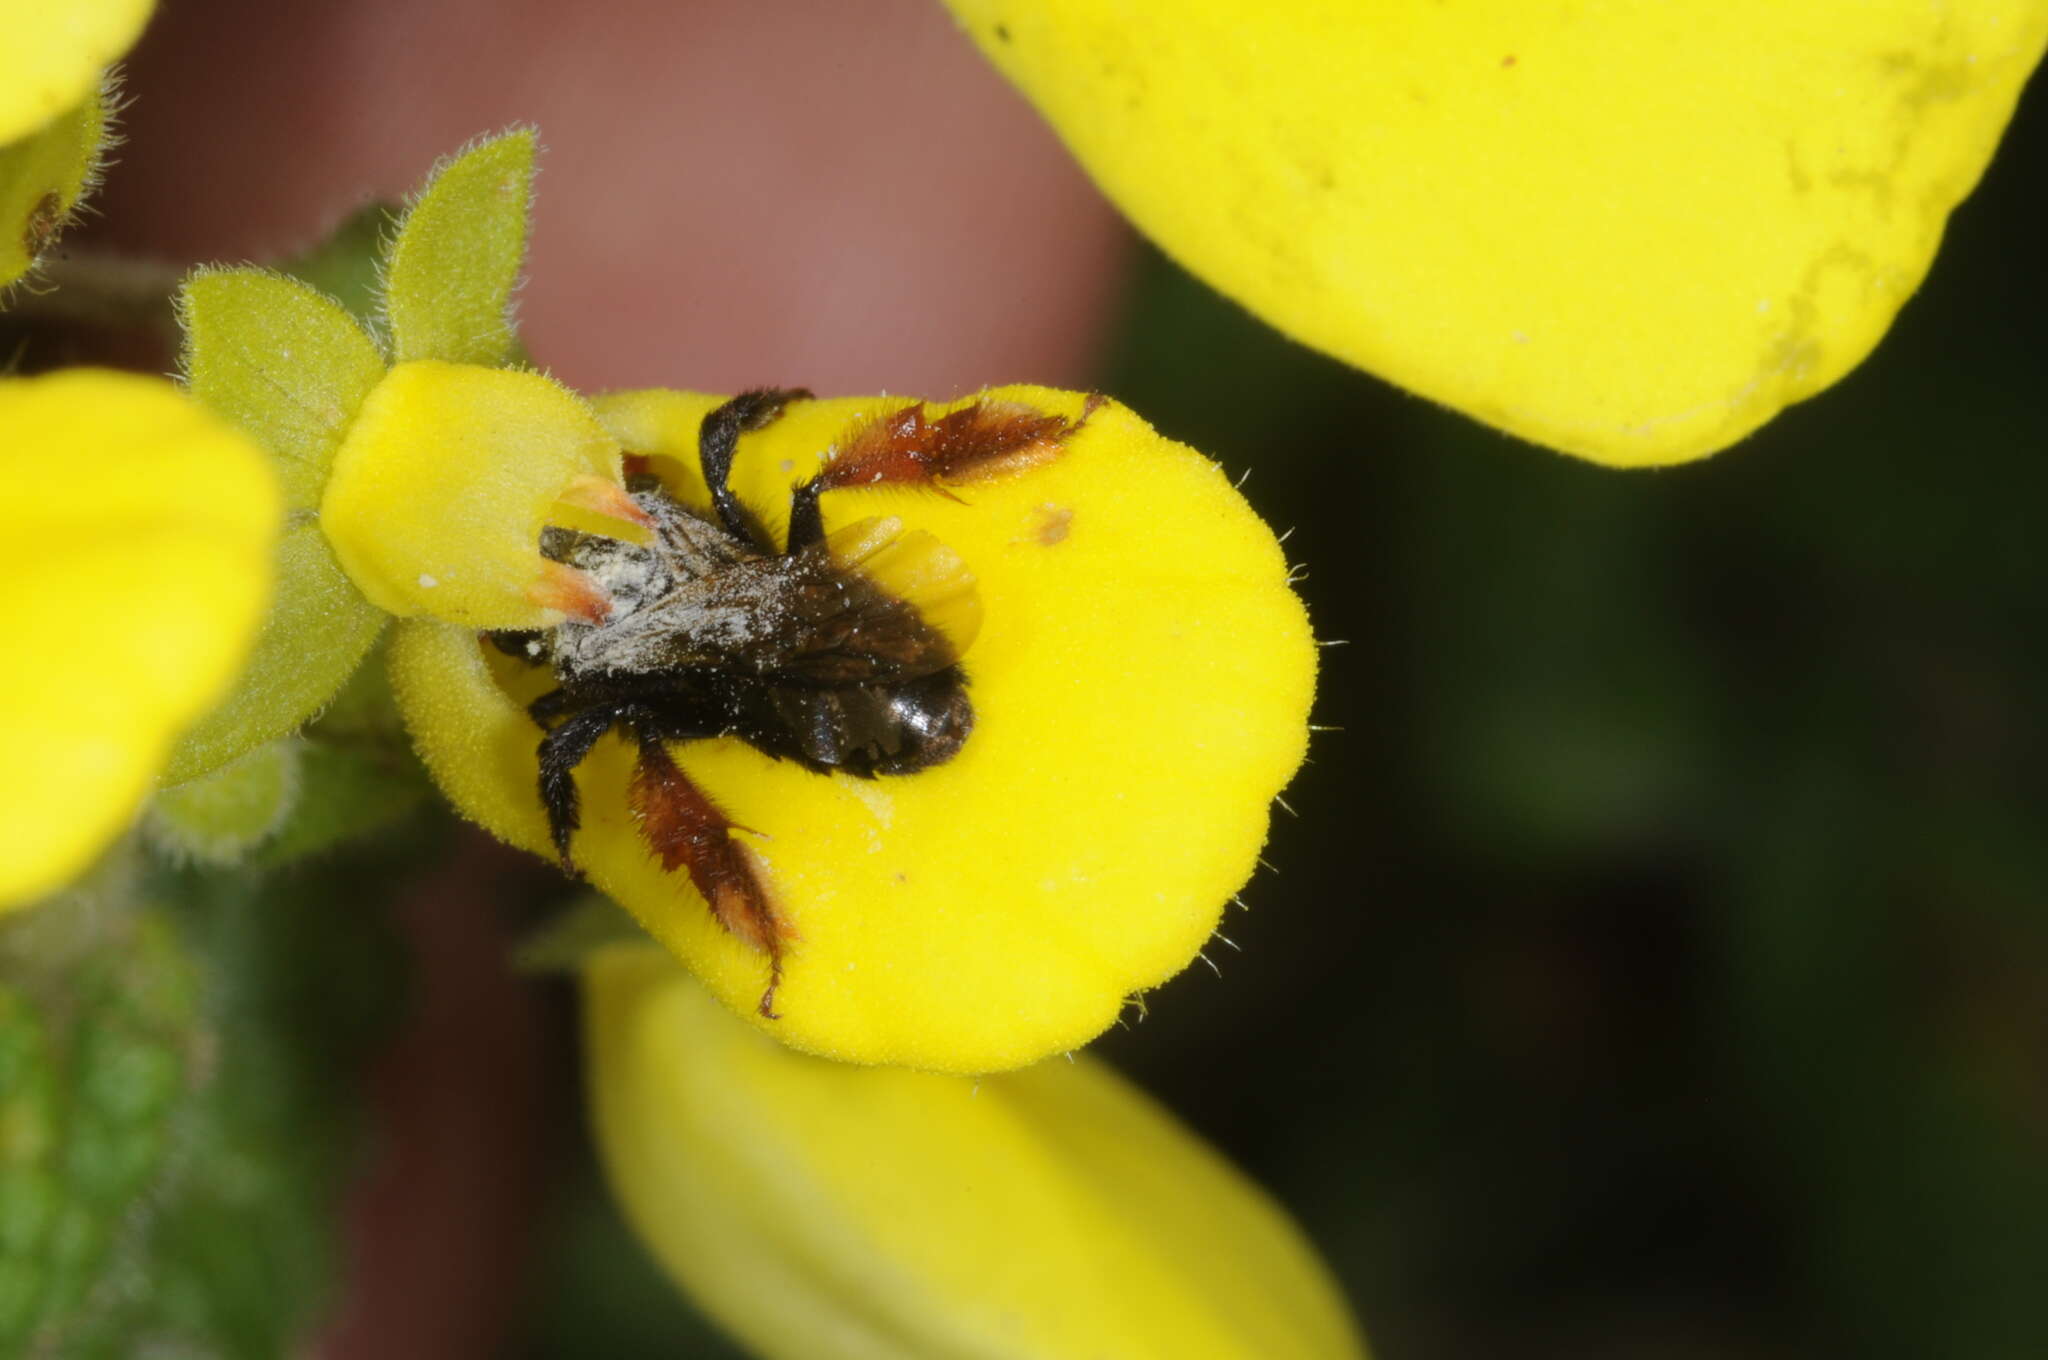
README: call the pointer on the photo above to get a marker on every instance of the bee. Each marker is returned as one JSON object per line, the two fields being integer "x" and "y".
{"x": 712, "y": 629}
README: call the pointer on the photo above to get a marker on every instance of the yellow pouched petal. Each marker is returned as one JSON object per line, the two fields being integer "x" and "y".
{"x": 135, "y": 542}
{"x": 441, "y": 487}
{"x": 823, "y": 1211}
{"x": 53, "y": 51}
{"x": 1633, "y": 232}
{"x": 1140, "y": 674}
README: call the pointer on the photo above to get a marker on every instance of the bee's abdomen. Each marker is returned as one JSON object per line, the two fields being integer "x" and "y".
{"x": 866, "y": 729}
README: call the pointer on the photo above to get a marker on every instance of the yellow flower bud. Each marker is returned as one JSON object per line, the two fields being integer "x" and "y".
{"x": 442, "y": 485}
{"x": 822, "y": 1211}
{"x": 135, "y": 547}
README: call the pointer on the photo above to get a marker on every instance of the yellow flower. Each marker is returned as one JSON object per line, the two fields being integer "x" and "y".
{"x": 53, "y": 115}
{"x": 823, "y": 1211}
{"x": 54, "y": 55}
{"x": 135, "y": 540}
{"x": 1139, "y": 672}
{"x": 1633, "y": 232}
{"x": 1092, "y": 681}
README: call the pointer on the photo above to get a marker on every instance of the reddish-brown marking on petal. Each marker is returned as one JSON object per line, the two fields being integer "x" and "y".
{"x": 686, "y": 830}
{"x": 569, "y": 591}
{"x": 1055, "y": 522}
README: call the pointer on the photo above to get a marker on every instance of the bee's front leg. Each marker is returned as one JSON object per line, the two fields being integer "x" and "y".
{"x": 718, "y": 439}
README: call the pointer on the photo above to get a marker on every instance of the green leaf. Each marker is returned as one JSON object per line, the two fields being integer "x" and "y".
{"x": 286, "y": 363}
{"x": 297, "y": 987}
{"x": 95, "y": 1076}
{"x": 178, "y": 1114}
{"x": 449, "y": 278}
{"x": 319, "y": 630}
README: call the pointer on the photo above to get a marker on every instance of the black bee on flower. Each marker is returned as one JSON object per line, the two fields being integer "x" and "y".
{"x": 712, "y": 629}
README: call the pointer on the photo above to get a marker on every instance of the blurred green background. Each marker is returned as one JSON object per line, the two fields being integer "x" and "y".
{"x": 1658, "y": 966}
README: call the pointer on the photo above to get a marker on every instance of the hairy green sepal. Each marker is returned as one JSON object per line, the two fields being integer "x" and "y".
{"x": 448, "y": 280}
{"x": 290, "y": 366}
{"x": 286, "y": 363}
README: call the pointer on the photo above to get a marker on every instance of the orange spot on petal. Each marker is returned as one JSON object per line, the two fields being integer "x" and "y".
{"x": 569, "y": 591}
{"x": 605, "y": 497}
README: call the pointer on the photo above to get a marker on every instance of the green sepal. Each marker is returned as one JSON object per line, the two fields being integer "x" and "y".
{"x": 221, "y": 817}
{"x": 290, "y": 366}
{"x": 42, "y": 178}
{"x": 283, "y": 361}
{"x": 318, "y": 632}
{"x": 449, "y": 276}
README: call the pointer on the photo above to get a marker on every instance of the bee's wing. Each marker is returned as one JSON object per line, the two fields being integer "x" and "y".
{"x": 914, "y": 567}
{"x": 876, "y": 603}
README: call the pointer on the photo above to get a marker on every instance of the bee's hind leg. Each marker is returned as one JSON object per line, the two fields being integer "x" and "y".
{"x": 687, "y": 831}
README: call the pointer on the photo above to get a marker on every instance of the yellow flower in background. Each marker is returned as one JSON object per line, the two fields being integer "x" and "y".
{"x": 1140, "y": 674}
{"x": 53, "y": 113}
{"x": 135, "y": 541}
{"x": 821, "y": 1211}
{"x": 1633, "y": 232}
{"x": 54, "y": 53}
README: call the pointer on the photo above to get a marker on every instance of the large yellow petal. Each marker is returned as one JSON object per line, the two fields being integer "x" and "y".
{"x": 1141, "y": 680}
{"x": 1631, "y": 231}
{"x": 53, "y": 51}
{"x": 135, "y": 540}
{"x": 822, "y": 1211}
